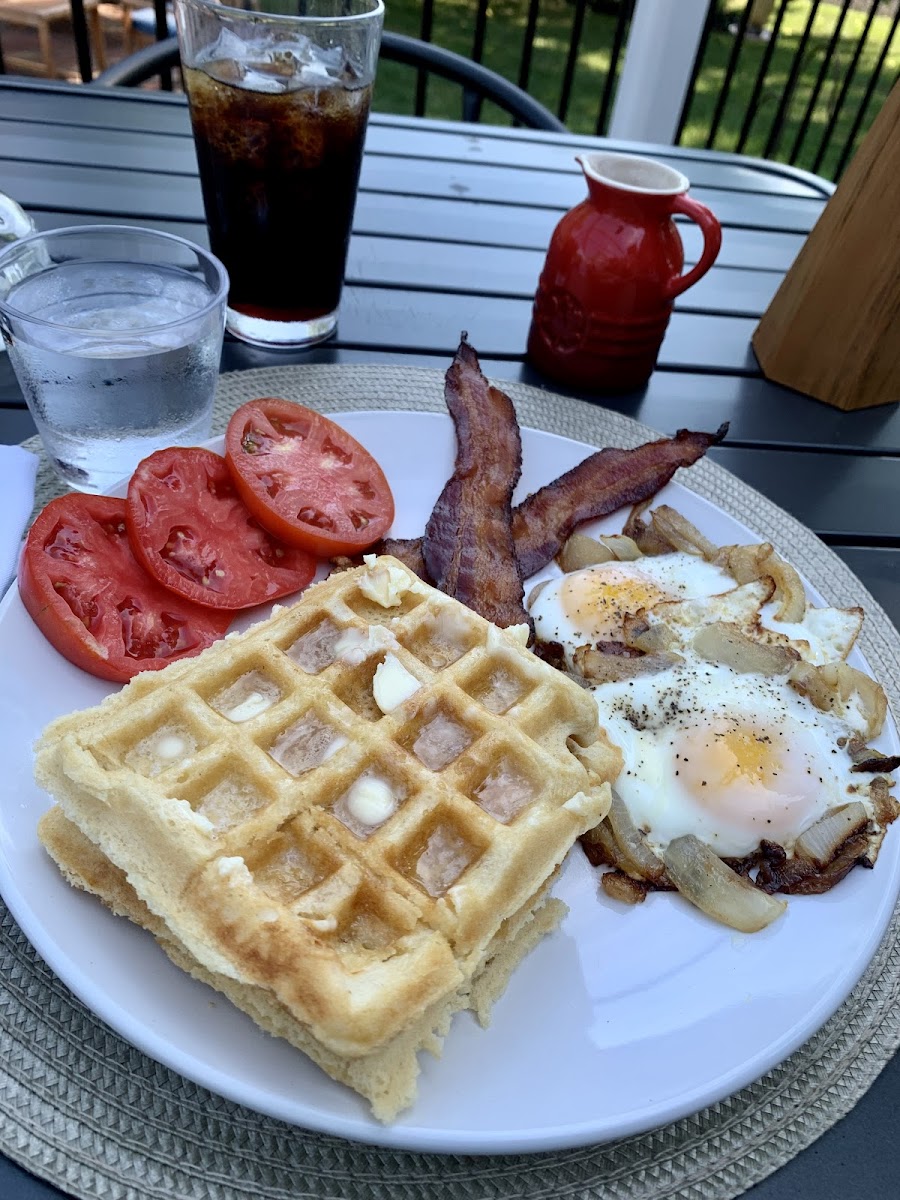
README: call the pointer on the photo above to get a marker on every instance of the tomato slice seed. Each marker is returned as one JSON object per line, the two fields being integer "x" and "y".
{"x": 84, "y": 608}
{"x": 64, "y": 543}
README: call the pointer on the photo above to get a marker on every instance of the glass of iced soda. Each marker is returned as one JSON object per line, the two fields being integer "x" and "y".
{"x": 279, "y": 96}
{"x": 115, "y": 335}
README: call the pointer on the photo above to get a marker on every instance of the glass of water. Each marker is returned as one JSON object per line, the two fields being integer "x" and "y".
{"x": 115, "y": 335}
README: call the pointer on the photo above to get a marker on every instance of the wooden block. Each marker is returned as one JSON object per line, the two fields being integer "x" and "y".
{"x": 832, "y": 329}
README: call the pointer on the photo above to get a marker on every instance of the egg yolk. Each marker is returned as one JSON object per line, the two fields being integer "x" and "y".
{"x": 596, "y": 602}
{"x": 752, "y": 780}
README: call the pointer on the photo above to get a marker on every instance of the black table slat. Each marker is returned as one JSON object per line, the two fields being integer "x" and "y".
{"x": 465, "y": 221}
{"x": 120, "y": 108}
{"x": 508, "y": 272}
{"x": 15, "y": 425}
{"x": 21, "y": 1185}
{"x": 759, "y": 413}
{"x": 460, "y": 224}
{"x": 499, "y": 327}
{"x": 838, "y": 496}
{"x": 880, "y": 568}
{"x": 172, "y": 149}
{"x": 409, "y": 177}
{"x": 539, "y": 189}
{"x": 39, "y": 101}
{"x": 738, "y": 176}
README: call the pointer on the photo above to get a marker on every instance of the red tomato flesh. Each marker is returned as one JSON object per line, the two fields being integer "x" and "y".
{"x": 306, "y": 479}
{"x": 94, "y": 602}
{"x": 191, "y": 530}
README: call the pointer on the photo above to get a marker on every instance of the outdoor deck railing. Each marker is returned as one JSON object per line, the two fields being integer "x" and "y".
{"x": 799, "y": 81}
{"x": 814, "y": 93}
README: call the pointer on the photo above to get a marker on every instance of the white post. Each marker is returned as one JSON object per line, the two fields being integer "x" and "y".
{"x": 659, "y": 59}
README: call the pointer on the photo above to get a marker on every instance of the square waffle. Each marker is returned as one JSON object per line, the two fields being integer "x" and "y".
{"x": 344, "y": 818}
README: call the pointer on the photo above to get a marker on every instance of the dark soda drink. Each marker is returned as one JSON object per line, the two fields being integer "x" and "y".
{"x": 279, "y": 171}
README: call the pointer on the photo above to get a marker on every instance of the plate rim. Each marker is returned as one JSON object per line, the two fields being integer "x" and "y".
{"x": 578, "y": 1138}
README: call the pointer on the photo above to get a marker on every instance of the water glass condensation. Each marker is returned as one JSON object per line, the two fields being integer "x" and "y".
{"x": 279, "y": 94}
{"x": 115, "y": 335}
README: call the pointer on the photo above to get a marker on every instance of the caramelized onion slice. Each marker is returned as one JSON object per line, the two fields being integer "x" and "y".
{"x": 886, "y": 806}
{"x": 644, "y": 533}
{"x": 867, "y": 759}
{"x": 622, "y": 547}
{"x": 821, "y": 842}
{"x": 832, "y": 687}
{"x": 619, "y": 886}
{"x": 703, "y": 879}
{"x": 581, "y": 551}
{"x": 535, "y": 592}
{"x": 639, "y": 634}
{"x": 790, "y": 595}
{"x": 748, "y": 563}
{"x": 681, "y": 535}
{"x": 596, "y": 667}
{"x": 745, "y": 563}
{"x": 724, "y": 642}
{"x": 639, "y": 858}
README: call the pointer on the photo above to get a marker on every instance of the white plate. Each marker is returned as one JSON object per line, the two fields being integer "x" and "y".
{"x": 621, "y": 1021}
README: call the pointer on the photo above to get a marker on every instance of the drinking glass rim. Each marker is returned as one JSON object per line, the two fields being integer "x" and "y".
{"x": 377, "y": 10}
{"x": 217, "y": 297}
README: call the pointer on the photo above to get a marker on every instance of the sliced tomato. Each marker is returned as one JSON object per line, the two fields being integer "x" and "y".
{"x": 191, "y": 530}
{"x": 95, "y": 603}
{"x": 306, "y": 479}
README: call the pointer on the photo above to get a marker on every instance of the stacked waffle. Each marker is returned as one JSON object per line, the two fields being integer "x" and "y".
{"x": 346, "y": 819}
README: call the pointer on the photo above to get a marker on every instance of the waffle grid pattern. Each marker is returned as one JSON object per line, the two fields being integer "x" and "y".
{"x": 235, "y": 773}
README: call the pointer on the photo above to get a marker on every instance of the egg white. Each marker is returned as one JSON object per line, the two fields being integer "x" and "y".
{"x": 731, "y": 758}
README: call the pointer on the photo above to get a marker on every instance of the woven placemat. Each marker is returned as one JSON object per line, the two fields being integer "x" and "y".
{"x": 83, "y": 1109}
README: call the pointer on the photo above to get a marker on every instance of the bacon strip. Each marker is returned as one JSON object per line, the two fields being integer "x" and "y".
{"x": 468, "y": 547}
{"x": 603, "y": 483}
{"x": 409, "y": 551}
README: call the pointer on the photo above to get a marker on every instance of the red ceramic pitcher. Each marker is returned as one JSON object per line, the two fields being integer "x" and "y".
{"x": 612, "y": 273}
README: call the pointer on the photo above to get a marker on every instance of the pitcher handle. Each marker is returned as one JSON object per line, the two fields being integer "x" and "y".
{"x": 712, "y": 242}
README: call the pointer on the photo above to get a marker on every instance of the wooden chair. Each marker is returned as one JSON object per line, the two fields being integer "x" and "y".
{"x": 43, "y": 16}
{"x": 477, "y": 81}
{"x": 139, "y": 23}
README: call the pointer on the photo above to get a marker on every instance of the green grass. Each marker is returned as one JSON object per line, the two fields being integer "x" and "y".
{"x": 454, "y": 23}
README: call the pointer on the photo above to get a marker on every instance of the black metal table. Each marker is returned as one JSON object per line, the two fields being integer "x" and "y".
{"x": 451, "y": 228}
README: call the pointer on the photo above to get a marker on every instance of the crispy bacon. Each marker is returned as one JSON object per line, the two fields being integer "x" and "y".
{"x": 468, "y": 548}
{"x": 604, "y": 482}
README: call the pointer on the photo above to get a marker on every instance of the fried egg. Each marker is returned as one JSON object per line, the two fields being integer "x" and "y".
{"x": 589, "y": 606}
{"x": 684, "y": 592}
{"x": 731, "y": 758}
